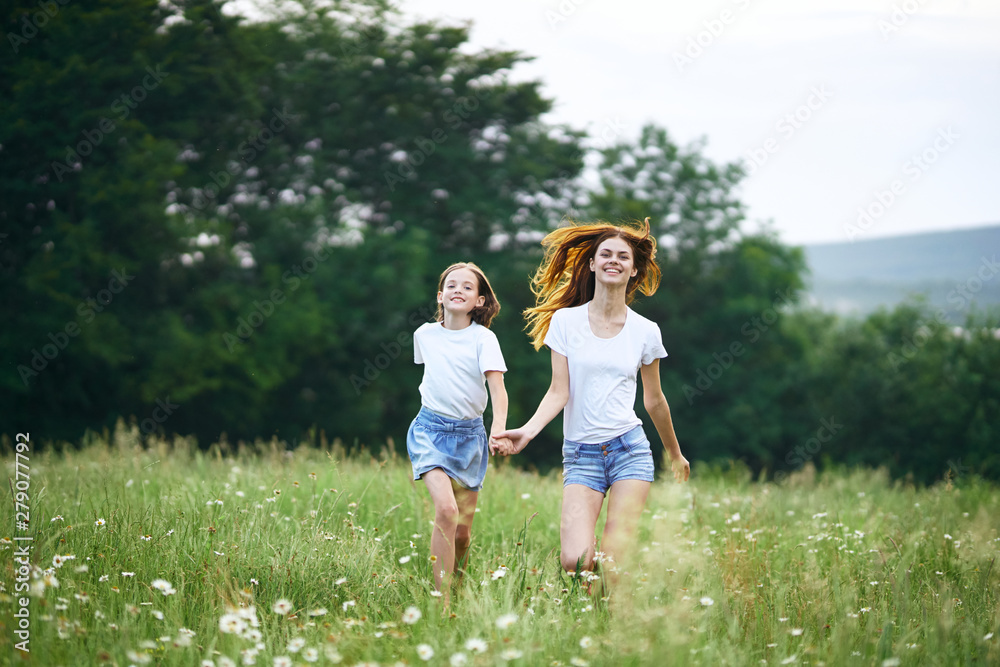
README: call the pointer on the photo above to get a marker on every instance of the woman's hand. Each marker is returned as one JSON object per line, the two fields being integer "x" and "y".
{"x": 681, "y": 468}
{"x": 513, "y": 441}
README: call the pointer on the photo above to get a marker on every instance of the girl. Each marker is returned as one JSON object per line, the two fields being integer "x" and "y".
{"x": 446, "y": 442}
{"x": 588, "y": 276}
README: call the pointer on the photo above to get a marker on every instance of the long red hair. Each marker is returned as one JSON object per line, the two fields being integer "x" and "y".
{"x": 564, "y": 278}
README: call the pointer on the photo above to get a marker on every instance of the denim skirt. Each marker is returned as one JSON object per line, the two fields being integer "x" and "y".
{"x": 459, "y": 447}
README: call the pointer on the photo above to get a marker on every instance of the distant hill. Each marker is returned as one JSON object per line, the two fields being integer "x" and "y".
{"x": 952, "y": 269}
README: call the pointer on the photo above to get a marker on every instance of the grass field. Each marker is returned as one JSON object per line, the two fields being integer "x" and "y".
{"x": 168, "y": 555}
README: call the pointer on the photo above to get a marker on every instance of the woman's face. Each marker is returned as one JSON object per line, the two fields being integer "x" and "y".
{"x": 614, "y": 263}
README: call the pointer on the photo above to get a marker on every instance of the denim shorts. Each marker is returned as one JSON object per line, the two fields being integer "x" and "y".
{"x": 599, "y": 466}
{"x": 459, "y": 447}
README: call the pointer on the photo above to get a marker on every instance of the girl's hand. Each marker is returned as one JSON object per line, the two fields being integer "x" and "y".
{"x": 681, "y": 468}
{"x": 516, "y": 440}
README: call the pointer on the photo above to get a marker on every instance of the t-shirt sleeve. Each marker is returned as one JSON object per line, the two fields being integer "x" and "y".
{"x": 490, "y": 356}
{"x": 555, "y": 338}
{"x": 418, "y": 357}
{"x": 653, "y": 348}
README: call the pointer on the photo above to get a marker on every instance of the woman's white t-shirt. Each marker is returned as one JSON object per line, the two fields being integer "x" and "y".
{"x": 602, "y": 372}
{"x": 455, "y": 364}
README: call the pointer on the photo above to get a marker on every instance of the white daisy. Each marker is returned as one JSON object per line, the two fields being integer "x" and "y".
{"x": 425, "y": 652}
{"x": 506, "y": 621}
{"x": 282, "y": 606}
{"x": 411, "y": 615}
{"x": 476, "y": 645}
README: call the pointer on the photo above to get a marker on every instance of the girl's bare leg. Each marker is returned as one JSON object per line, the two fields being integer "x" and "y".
{"x": 626, "y": 500}
{"x": 466, "y": 501}
{"x": 580, "y": 508}
{"x": 446, "y": 516}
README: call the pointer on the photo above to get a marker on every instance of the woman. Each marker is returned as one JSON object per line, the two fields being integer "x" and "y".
{"x": 588, "y": 276}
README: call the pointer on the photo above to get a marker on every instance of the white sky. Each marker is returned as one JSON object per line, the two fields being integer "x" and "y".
{"x": 610, "y": 63}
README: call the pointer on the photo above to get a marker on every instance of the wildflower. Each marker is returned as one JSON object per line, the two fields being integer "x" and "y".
{"x": 56, "y": 518}
{"x": 231, "y": 624}
{"x": 157, "y": 614}
{"x": 475, "y": 645}
{"x": 318, "y": 612}
{"x": 782, "y": 619}
{"x": 100, "y": 522}
{"x": 458, "y": 660}
{"x": 790, "y": 659}
{"x": 988, "y": 636}
{"x": 578, "y": 662}
{"x": 310, "y": 654}
{"x": 282, "y": 661}
{"x": 411, "y": 615}
{"x": 163, "y": 586}
{"x": 225, "y": 661}
{"x": 332, "y": 654}
{"x": 403, "y": 560}
{"x": 296, "y": 644}
{"x": 586, "y": 642}
{"x": 707, "y": 601}
{"x": 511, "y": 654}
{"x": 82, "y": 568}
{"x": 500, "y": 572}
{"x": 891, "y": 662}
{"x": 349, "y": 603}
{"x": 128, "y": 574}
{"x": 506, "y": 621}
{"x": 338, "y": 582}
{"x": 57, "y": 561}
{"x": 425, "y": 652}
{"x": 207, "y": 663}
{"x": 138, "y": 658}
{"x": 525, "y": 496}
{"x": 796, "y": 632}
{"x": 282, "y": 607}
{"x": 436, "y": 594}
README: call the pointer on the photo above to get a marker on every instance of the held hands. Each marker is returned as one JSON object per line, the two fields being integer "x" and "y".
{"x": 500, "y": 445}
{"x": 510, "y": 442}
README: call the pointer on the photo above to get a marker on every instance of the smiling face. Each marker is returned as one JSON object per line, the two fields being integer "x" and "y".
{"x": 459, "y": 293}
{"x": 614, "y": 262}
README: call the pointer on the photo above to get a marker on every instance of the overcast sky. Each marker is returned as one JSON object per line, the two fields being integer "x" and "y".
{"x": 839, "y": 101}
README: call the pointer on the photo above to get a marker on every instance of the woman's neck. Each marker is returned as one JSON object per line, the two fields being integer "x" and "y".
{"x": 608, "y": 304}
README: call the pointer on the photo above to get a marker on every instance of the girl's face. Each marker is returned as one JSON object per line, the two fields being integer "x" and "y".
{"x": 460, "y": 293}
{"x": 614, "y": 264}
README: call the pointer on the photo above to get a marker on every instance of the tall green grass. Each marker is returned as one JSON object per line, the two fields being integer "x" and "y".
{"x": 846, "y": 567}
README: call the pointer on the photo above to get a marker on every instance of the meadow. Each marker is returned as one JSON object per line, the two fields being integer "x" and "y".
{"x": 166, "y": 554}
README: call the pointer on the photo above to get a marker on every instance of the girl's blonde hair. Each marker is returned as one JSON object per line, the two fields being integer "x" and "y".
{"x": 564, "y": 278}
{"x": 483, "y": 314}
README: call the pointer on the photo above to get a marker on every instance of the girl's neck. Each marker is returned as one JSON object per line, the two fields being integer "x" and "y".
{"x": 607, "y": 303}
{"x": 456, "y": 322}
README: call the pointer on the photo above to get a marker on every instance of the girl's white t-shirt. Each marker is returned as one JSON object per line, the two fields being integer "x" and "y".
{"x": 602, "y": 372}
{"x": 455, "y": 364}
